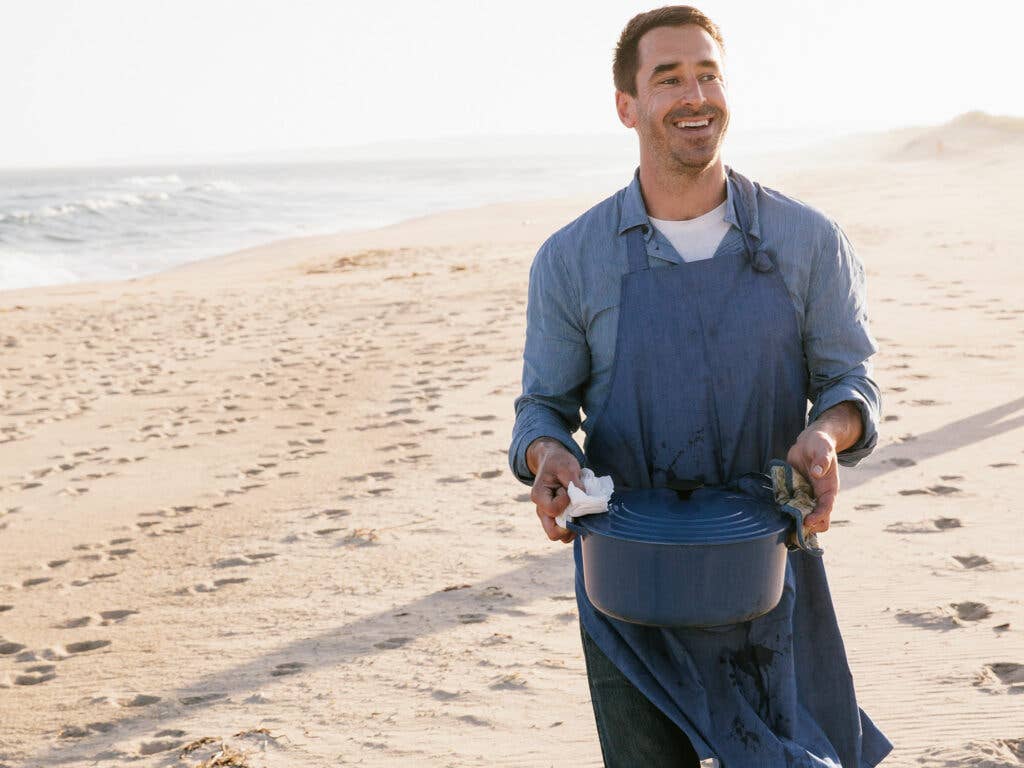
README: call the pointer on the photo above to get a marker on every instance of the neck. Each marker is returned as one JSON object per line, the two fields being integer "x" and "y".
{"x": 677, "y": 196}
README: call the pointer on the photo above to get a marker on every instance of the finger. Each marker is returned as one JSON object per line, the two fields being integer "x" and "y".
{"x": 820, "y": 518}
{"x": 823, "y": 472}
{"x": 549, "y": 498}
{"x": 548, "y": 524}
{"x": 560, "y": 501}
{"x": 554, "y": 531}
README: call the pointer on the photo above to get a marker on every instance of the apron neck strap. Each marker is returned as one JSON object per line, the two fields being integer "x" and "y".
{"x": 636, "y": 249}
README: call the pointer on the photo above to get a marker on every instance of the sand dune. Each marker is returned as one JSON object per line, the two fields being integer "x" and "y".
{"x": 968, "y": 133}
{"x": 260, "y": 505}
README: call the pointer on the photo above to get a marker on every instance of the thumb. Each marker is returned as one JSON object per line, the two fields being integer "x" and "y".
{"x": 821, "y": 463}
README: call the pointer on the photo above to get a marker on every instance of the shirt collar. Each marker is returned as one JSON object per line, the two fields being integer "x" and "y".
{"x": 633, "y": 213}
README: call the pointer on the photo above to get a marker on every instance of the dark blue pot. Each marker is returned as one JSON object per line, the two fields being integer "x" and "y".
{"x": 656, "y": 558}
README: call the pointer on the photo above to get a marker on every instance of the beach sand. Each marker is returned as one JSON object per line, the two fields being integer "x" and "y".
{"x": 262, "y": 503}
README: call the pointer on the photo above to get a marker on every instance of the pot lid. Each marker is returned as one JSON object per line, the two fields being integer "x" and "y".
{"x": 708, "y": 516}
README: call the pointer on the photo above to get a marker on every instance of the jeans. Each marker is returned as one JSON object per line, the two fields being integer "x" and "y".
{"x": 633, "y": 732}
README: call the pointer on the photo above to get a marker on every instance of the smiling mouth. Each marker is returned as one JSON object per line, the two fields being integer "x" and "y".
{"x": 693, "y": 124}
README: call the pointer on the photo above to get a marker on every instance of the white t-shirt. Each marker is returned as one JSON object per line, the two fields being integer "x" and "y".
{"x": 695, "y": 239}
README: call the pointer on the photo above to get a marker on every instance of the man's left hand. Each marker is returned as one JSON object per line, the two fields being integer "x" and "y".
{"x": 813, "y": 455}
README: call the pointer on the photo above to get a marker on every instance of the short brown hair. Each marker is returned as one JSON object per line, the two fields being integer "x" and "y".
{"x": 627, "y": 57}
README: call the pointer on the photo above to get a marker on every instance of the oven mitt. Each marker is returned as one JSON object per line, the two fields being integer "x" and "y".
{"x": 592, "y": 498}
{"x": 796, "y": 497}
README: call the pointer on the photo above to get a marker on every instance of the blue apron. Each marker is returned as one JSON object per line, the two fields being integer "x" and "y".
{"x": 709, "y": 382}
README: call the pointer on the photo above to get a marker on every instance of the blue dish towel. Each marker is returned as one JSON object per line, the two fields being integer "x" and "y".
{"x": 796, "y": 497}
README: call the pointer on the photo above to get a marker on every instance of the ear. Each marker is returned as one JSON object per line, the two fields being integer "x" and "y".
{"x": 625, "y": 105}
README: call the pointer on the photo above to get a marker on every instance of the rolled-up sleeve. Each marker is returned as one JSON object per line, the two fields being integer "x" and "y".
{"x": 556, "y": 362}
{"x": 838, "y": 342}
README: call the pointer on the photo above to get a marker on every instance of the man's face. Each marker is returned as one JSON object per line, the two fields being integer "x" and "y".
{"x": 680, "y": 110}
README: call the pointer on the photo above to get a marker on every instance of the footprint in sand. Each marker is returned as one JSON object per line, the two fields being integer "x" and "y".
{"x": 34, "y": 675}
{"x": 932, "y": 490}
{"x": 925, "y": 526}
{"x": 248, "y": 559}
{"x": 287, "y": 668}
{"x": 510, "y": 682}
{"x": 332, "y": 514}
{"x": 139, "y": 700}
{"x": 392, "y": 643}
{"x": 935, "y": 620}
{"x": 971, "y": 611}
{"x": 1002, "y": 677}
{"x": 106, "y": 618}
{"x": 160, "y": 745}
{"x": 442, "y": 695}
{"x": 203, "y": 698}
{"x": 84, "y": 646}
{"x": 900, "y": 462}
{"x": 972, "y": 561}
{"x": 210, "y": 586}
{"x": 72, "y": 732}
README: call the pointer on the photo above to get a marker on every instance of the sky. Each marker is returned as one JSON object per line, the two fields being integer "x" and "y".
{"x": 99, "y": 81}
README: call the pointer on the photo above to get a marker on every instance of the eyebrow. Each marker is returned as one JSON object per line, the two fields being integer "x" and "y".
{"x": 670, "y": 65}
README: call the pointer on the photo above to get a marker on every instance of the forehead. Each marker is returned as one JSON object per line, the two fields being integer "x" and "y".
{"x": 688, "y": 43}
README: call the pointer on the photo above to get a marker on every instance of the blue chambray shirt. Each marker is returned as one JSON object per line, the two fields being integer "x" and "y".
{"x": 572, "y": 315}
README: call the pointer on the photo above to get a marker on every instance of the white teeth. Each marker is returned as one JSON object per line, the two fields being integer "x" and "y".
{"x": 693, "y": 124}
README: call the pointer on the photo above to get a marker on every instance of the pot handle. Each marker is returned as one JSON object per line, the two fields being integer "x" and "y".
{"x": 575, "y": 528}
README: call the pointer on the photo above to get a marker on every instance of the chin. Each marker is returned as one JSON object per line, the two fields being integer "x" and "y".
{"x": 693, "y": 162}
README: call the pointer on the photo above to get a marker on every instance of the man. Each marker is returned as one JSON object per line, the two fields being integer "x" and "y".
{"x": 692, "y": 315}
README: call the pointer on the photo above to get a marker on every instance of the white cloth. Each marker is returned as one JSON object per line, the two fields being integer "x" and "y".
{"x": 695, "y": 239}
{"x": 593, "y": 497}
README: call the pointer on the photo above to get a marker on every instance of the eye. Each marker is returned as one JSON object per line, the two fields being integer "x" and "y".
{"x": 708, "y": 77}
{"x": 670, "y": 81}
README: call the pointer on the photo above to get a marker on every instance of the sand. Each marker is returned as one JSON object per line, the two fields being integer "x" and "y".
{"x": 260, "y": 505}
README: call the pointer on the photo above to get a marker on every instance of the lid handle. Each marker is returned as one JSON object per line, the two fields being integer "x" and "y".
{"x": 684, "y": 486}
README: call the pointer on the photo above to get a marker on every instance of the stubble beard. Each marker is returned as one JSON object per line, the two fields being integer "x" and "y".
{"x": 692, "y": 160}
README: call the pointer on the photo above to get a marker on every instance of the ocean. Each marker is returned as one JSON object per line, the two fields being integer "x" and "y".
{"x": 84, "y": 224}
{"x": 118, "y": 222}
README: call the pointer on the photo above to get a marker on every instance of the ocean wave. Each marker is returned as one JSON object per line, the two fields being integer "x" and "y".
{"x": 216, "y": 185}
{"x": 23, "y": 270}
{"x": 103, "y": 205}
{"x": 152, "y": 181}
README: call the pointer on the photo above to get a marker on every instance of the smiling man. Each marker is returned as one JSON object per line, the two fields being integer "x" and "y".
{"x": 693, "y": 316}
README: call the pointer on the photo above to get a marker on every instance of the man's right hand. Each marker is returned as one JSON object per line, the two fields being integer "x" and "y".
{"x": 555, "y": 467}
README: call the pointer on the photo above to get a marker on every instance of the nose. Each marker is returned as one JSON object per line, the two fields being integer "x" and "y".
{"x": 691, "y": 93}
